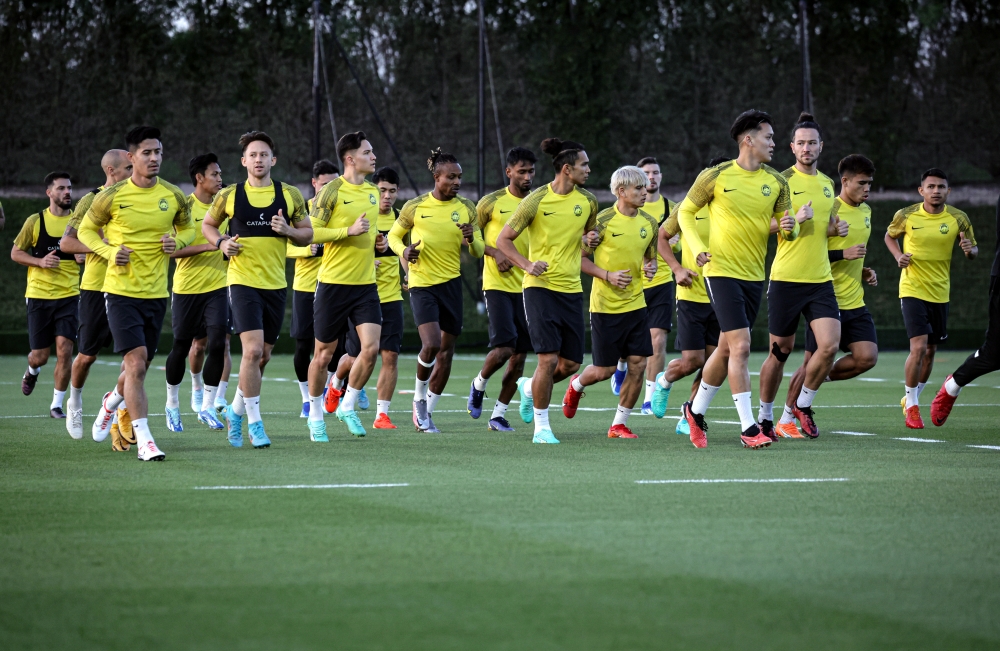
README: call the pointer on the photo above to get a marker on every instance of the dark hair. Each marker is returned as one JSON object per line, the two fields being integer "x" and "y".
{"x": 748, "y": 121}
{"x": 855, "y": 164}
{"x": 324, "y": 166}
{"x": 256, "y": 136}
{"x": 349, "y": 142}
{"x": 52, "y": 177}
{"x": 807, "y": 121}
{"x": 647, "y": 160}
{"x": 518, "y": 154}
{"x": 718, "y": 160}
{"x": 563, "y": 152}
{"x": 386, "y": 174}
{"x": 135, "y": 137}
{"x": 199, "y": 164}
{"x": 934, "y": 171}
{"x": 439, "y": 157}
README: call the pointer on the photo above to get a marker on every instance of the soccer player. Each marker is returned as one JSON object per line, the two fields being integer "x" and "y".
{"x": 559, "y": 219}
{"x": 199, "y": 303}
{"x": 347, "y": 290}
{"x": 502, "y": 291}
{"x": 93, "y": 333}
{"x": 390, "y": 298}
{"x": 263, "y": 215}
{"x": 802, "y": 283}
{"x": 307, "y": 263}
{"x": 618, "y": 314}
{"x": 145, "y": 219}
{"x": 929, "y": 231}
{"x": 847, "y": 260}
{"x": 53, "y": 291}
{"x": 747, "y": 201}
{"x": 434, "y": 258}
{"x": 983, "y": 361}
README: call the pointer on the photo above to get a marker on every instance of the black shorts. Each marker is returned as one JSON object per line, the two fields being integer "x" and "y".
{"x": 391, "y": 338}
{"x": 697, "y": 326}
{"x": 736, "y": 302}
{"x": 257, "y": 309}
{"x": 334, "y": 305}
{"x": 925, "y": 318}
{"x": 660, "y": 305}
{"x": 135, "y": 322}
{"x": 302, "y": 315}
{"x": 555, "y": 322}
{"x": 94, "y": 332}
{"x": 441, "y": 304}
{"x": 619, "y": 336}
{"x": 786, "y": 301}
{"x": 191, "y": 315}
{"x": 855, "y": 325}
{"x": 49, "y": 318}
{"x": 508, "y": 324}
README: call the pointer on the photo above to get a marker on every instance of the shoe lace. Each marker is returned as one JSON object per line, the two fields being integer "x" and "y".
{"x": 807, "y": 412}
{"x": 502, "y": 421}
{"x": 699, "y": 420}
{"x": 766, "y": 426}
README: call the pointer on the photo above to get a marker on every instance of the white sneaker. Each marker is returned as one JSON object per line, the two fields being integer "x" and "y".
{"x": 149, "y": 452}
{"x": 74, "y": 424}
{"x": 102, "y": 426}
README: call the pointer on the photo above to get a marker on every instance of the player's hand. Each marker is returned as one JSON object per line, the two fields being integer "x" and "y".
{"x": 169, "y": 244}
{"x": 787, "y": 222}
{"x": 467, "y": 232}
{"x": 868, "y": 275}
{"x": 804, "y": 213}
{"x": 503, "y": 262}
{"x": 231, "y": 247}
{"x": 50, "y": 261}
{"x": 359, "y": 227}
{"x": 279, "y": 225}
{"x": 842, "y": 227}
{"x": 122, "y": 256}
{"x": 965, "y": 243}
{"x": 378, "y": 263}
{"x": 904, "y": 260}
{"x": 381, "y": 243}
{"x": 674, "y": 240}
{"x": 81, "y": 258}
{"x": 649, "y": 269}
{"x": 313, "y": 249}
{"x": 685, "y": 277}
{"x": 591, "y": 239}
{"x": 537, "y": 268}
{"x": 411, "y": 253}
{"x": 703, "y": 259}
{"x": 404, "y": 283}
{"x": 619, "y": 279}
{"x": 855, "y": 252}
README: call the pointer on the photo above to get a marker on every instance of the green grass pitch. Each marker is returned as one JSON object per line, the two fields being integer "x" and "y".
{"x": 495, "y": 543}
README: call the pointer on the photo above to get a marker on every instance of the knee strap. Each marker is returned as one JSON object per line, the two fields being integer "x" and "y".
{"x": 780, "y": 356}
{"x": 426, "y": 364}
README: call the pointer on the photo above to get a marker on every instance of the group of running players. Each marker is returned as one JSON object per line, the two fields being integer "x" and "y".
{"x": 355, "y": 254}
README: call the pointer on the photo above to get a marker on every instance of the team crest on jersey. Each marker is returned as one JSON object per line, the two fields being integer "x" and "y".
{"x": 868, "y": 221}
{"x": 454, "y": 216}
{"x": 943, "y": 229}
{"x": 765, "y": 190}
{"x": 577, "y": 210}
{"x": 827, "y": 192}
{"x": 164, "y": 205}
{"x": 371, "y": 199}
{"x": 643, "y": 233}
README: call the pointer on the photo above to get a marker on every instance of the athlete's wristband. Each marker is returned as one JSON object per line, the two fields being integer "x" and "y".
{"x": 607, "y": 276}
{"x": 835, "y": 255}
{"x": 218, "y": 242}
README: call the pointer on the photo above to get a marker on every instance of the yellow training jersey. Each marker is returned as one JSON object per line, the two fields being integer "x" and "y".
{"x": 804, "y": 259}
{"x": 204, "y": 272}
{"x": 625, "y": 241}
{"x": 306, "y": 264}
{"x": 931, "y": 240}
{"x": 261, "y": 262}
{"x": 494, "y": 211}
{"x": 696, "y": 293}
{"x": 137, "y": 218}
{"x": 555, "y": 225}
{"x": 434, "y": 224}
{"x": 95, "y": 267}
{"x": 741, "y": 205}
{"x": 659, "y": 210}
{"x": 62, "y": 281}
{"x": 847, "y": 273}
{"x": 387, "y": 274}
{"x": 347, "y": 260}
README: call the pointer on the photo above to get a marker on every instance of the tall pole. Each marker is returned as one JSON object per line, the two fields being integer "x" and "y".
{"x": 481, "y": 157}
{"x": 806, "y": 71}
{"x": 317, "y": 96}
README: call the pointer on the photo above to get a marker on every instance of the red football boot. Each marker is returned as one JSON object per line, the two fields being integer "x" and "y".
{"x": 620, "y": 431}
{"x": 913, "y": 419}
{"x": 941, "y": 405}
{"x": 572, "y": 399}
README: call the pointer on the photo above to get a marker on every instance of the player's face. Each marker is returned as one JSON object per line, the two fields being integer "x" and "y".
{"x": 258, "y": 159}
{"x": 806, "y": 146}
{"x": 363, "y": 158}
{"x": 448, "y": 179}
{"x": 386, "y": 196}
{"x": 146, "y": 158}
{"x": 522, "y": 175}
{"x": 322, "y": 180}
{"x": 653, "y": 177}
{"x": 934, "y": 190}
{"x": 857, "y": 187}
{"x": 211, "y": 180}
{"x": 61, "y": 193}
{"x": 761, "y": 142}
{"x": 579, "y": 171}
{"x": 122, "y": 171}
{"x": 633, "y": 196}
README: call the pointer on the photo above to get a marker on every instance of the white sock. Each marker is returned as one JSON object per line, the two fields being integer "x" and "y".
{"x": 920, "y": 388}
{"x": 621, "y": 415}
{"x": 208, "y": 400}
{"x": 304, "y": 390}
{"x": 432, "y": 400}
{"x": 787, "y": 416}
{"x": 253, "y": 409}
{"x": 911, "y": 397}
{"x": 140, "y": 428}
{"x": 526, "y": 385}
{"x": 499, "y": 410}
{"x": 766, "y": 411}
{"x": 745, "y": 409}
{"x": 703, "y": 398}
{"x": 316, "y": 407}
{"x": 196, "y": 381}
{"x": 338, "y": 384}
{"x": 806, "y": 396}
{"x": 664, "y": 382}
{"x": 952, "y": 387}
{"x": 350, "y": 398}
{"x": 420, "y": 390}
{"x": 541, "y": 419}
{"x": 34, "y": 369}
{"x": 577, "y": 384}
{"x": 223, "y": 387}
{"x": 239, "y": 403}
{"x": 57, "y": 398}
{"x": 114, "y": 400}
{"x": 329, "y": 374}
{"x": 622, "y": 365}
{"x": 480, "y": 382}
{"x": 650, "y": 386}
{"x": 76, "y": 398}
{"x": 173, "y": 396}
{"x": 382, "y": 407}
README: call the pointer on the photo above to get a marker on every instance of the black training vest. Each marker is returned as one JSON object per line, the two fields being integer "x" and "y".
{"x": 388, "y": 252}
{"x": 47, "y": 243}
{"x": 248, "y": 221}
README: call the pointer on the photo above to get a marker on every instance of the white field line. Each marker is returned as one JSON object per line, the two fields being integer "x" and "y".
{"x": 851, "y": 433}
{"x": 803, "y": 480}
{"x": 985, "y": 447}
{"x": 916, "y": 440}
{"x": 295, "y": 486}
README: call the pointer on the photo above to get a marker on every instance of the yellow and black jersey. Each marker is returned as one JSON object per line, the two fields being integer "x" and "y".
{"x": 494, "y": 211}
{"x": 847, "y": 273}
{"x": 741, "y": 205}
{"x": 204, "y": 272}
{"x": 626, "y": 242}
{"x": 261, "y": 262}
{"x": 804, "y": 259}
{"x": 387, "y": 274}
{"x": 659, "y": 210}
{"x": 306, "y": 264}
{"x": 60, "y": 282}
{"x": 696, "y": 293}
{"x": 95, "y": 267}
{"x": 347, "y": 260}
{"x": 931, "y": 240}
{"x": 137, "y": 218}
{"x": 434, "y": 224}
{"x": 555, "y": 225}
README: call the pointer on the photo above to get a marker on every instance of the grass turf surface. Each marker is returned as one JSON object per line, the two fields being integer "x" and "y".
{"x": 500, "y": 544}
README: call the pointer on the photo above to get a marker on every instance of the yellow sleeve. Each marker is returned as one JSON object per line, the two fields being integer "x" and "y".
{"x": 478, "y": 247}
{"x": 218, "y": 209}
{"x": 299, "y": 211}
{"x": 97, "y": 217}
{"x": 402, "y": 226}
{"x": 322, "y": 211}
{"x": 964, "y": 225}
{"x": 26, "y": 238}
{"x": 699, "y": 196}
{"x": 783, "y": 203}
{"x": 654, "y": 229}
{"x": 80, "y": 211}
{"x": 292, "y": 251}
{"x": 526, "y": 210}
{"x": 484, "y": 210}
{"x": 897, "y": 228}
{"x": 594, "y": 209}
{"x": 183, "y": 223}
{"x": 672, "y": 224}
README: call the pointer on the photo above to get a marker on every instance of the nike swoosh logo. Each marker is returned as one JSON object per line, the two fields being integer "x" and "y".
{"x": 698, "y": 219}
{"x": 796, "y": 193}
{"x": 504, "y": 211}
{"x": 549, "y": 213}
{"x": 728, "y": 189}
{"x": 121, "y": 207}
{"x": 915, "y": 228}
{"x": 616, "y": 234}
{"x": 347, "y": 202}
{"x": 425, "y": 216}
